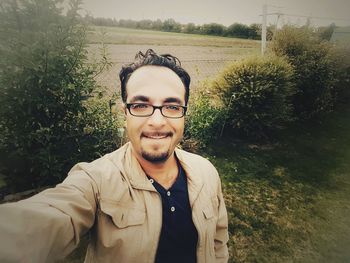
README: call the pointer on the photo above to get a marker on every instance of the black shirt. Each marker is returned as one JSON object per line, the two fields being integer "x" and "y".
{"x": 178, "y": 237}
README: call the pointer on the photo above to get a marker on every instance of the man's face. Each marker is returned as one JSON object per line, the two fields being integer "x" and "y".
{"x": 154, "y": 138}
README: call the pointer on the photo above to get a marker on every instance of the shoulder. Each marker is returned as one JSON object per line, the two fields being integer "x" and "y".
{"x": 198, "y": 165}
{"x": 101, "y": 169}
{"x": 193, "y": 158}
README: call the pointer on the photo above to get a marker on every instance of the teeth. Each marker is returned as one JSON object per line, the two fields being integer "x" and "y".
{"x": 156, "y": 136}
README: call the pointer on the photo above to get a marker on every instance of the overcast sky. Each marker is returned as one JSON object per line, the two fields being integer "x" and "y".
{"x": 225, "y": 12}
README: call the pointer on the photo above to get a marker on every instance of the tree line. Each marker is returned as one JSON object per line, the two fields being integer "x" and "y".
{"x": 238, "y": 30}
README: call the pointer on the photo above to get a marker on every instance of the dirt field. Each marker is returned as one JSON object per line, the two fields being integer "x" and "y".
{"x": 202, "y": 56}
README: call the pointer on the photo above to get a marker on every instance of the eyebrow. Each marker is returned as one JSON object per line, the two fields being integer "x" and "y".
{"x": 139, "y": 98}
{"x": 146, "y": 99}
{"x": 173, "y": 100}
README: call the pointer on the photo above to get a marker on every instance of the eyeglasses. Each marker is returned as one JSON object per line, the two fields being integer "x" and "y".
{"x": 146, "y": 110}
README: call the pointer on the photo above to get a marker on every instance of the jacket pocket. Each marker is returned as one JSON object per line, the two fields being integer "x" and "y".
{"x": 210, "y": 229}
{"x": 208, "y": 212}
{"x": 123, "y": 215}
{"x": 211, "y": 209}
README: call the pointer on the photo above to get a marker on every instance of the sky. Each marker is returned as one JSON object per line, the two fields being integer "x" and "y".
{"x": 226, "y": 12}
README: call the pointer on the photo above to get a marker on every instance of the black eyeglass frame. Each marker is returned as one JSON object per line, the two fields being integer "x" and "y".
{"x": 184, "y": 109}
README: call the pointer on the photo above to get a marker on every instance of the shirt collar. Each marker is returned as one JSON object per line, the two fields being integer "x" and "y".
{"x": 138, "y": 179}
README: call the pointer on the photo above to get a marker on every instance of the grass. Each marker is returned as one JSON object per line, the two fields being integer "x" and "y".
{"x": 288, "y": 200}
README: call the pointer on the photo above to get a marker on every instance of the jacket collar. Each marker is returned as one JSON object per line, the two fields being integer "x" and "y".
{"x": 130, "y": 167}
{"x": 195, "y": 179}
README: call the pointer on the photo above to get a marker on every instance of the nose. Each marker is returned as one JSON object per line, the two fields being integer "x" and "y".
{"x": 157, "y": 119}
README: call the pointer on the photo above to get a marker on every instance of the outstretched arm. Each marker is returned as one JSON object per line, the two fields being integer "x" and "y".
{"x": 48, "y": 226}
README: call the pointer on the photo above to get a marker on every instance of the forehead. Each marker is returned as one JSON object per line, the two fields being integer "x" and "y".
{"x": 156, "y": 83}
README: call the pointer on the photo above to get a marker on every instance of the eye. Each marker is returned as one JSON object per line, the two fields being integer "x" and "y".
{"x": 139, "y": 106}
{"x": 172, "y": 107}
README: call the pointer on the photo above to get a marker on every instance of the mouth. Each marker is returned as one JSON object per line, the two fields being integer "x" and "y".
{"x": 156, "y": 135}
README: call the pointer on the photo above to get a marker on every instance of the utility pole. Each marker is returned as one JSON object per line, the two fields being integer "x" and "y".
{"x": 279, "y": 14}
{"x": 263, "y": 30}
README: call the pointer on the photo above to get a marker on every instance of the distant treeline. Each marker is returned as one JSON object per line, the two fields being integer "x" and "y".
{"x": 238, "y": 30}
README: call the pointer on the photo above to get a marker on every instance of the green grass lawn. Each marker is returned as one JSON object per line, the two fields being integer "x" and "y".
{"x": 288, "y": 200}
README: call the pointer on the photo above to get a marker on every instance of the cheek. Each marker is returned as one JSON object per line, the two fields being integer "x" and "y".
{"x": 132, "y": 127}
{"x": 133, "y": 123}
{"x": 179, "y": 125}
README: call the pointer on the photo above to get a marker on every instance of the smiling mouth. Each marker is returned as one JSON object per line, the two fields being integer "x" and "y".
{"x": 156, "y": 135}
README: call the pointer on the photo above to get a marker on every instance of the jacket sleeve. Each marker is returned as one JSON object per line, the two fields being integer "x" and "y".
{"x": 48, "y": 226}
{"x": 221, "y": 236}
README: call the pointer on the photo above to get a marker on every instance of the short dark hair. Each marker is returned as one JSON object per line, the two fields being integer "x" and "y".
{"x": 152, "y": 58}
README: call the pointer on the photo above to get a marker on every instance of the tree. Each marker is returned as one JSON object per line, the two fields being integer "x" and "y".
{"x": 127, "y": 23}
{"x": 191, "y": 28}
{"x": 255, "y": 31}
{"x": 157, "y": 25}
{"x": 170, "y": 25}
{"x": 238, "y": 30}
{"x": 212, "y": 29}
{"x": 145, "y": 24}
{"x": 45, "y": 82}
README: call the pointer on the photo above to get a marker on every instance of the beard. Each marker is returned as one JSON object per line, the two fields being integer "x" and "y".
{"x": 155, "y": 157}
{"x": 154, "y": 153}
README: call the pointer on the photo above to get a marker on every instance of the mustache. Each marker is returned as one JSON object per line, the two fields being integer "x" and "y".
{"x": 151, "y": 134}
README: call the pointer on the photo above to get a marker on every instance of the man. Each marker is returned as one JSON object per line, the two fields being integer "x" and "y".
{"x": 146, "y": 202}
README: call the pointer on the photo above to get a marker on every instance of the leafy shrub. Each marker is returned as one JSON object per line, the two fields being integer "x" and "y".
{"x": 100, "y": 130}
{"x": 256, "y": 93}
{"x": 204, "y": 120}
{"x": 341, "y": 57}
{"x": 313, "y": 66}
{"x": 45, "y": 83}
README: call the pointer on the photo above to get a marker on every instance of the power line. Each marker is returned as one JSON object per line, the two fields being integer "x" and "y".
{"x": 306, "y": 16}
{"x": 316, "y": 17}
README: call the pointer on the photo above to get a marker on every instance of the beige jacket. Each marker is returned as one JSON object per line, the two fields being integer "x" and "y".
{"x": 112, "y": 198}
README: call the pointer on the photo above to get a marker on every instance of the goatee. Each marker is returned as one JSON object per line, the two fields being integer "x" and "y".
{"x": 155, "y": 158}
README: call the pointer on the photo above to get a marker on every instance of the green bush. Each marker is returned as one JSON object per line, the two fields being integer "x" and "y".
{"x": 100, "y": 130}
{"x": 45, "y": 82}
{"x": 341, "y": 57}
{"x": 313, "y": 66}
{"x": 204, "y": 119}
{"x": 256, "y": 93}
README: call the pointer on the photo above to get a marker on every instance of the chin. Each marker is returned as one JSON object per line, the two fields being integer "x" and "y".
{"x": 155, "y": 157}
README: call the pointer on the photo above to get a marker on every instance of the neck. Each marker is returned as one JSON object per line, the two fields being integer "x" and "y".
{"x": 164, "y": 173}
